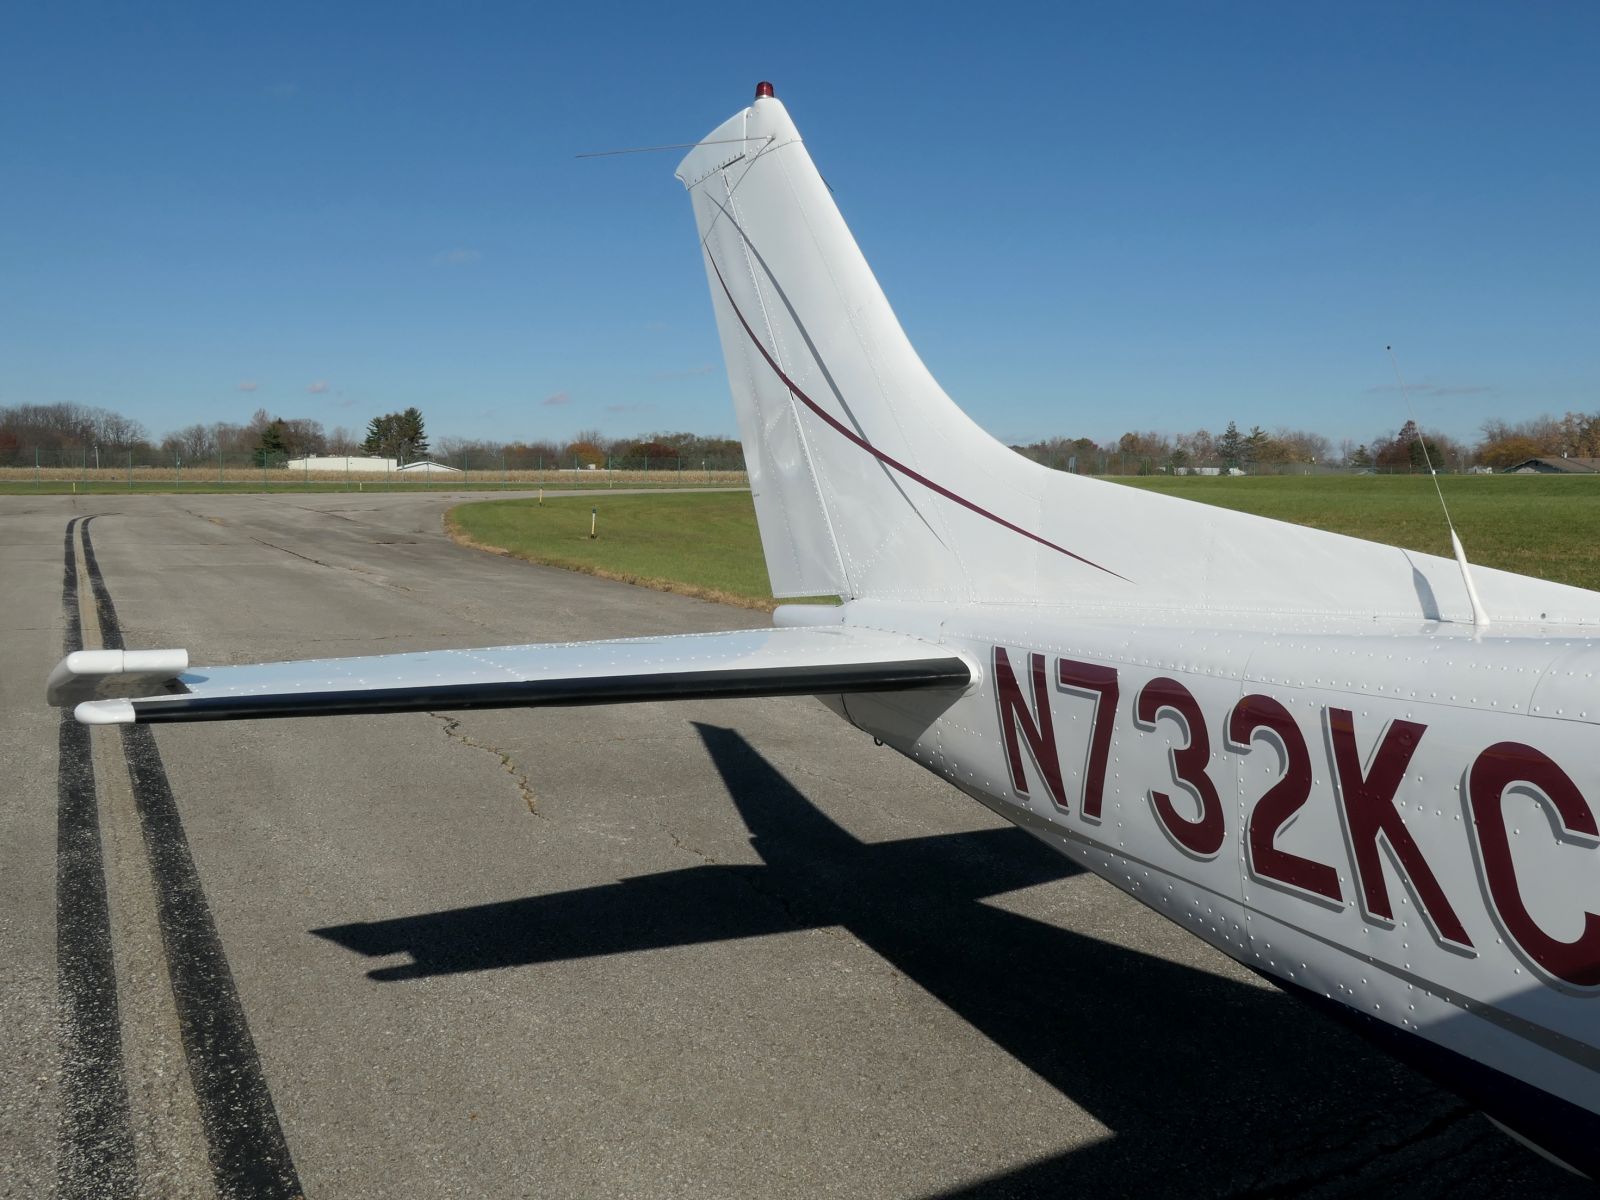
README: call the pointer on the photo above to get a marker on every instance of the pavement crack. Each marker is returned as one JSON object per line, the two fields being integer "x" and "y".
{"x": 705, "y": 859}
{"x": 329, "y": 512}
{"x": 453, "y": 731}
{"x": 365, "y": 572}
{"x": 409, "y": 635}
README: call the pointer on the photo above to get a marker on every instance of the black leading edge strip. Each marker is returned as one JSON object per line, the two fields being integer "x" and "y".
{"x": 551, "y": 693}
{"x": 249, "y": 1156}
{"x": 95, "y": 1157}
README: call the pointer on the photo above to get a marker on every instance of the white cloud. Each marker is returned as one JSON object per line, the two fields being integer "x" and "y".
{"x": 461, "y": 256}
{"x": 249, "y": 385}
{"x": 557, "y": 400}
{"x": 317, "y": 388}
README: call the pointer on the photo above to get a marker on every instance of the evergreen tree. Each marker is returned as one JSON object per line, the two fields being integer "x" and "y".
{"x": 1407, "y": 450}
{"x": 410, "y": 438}
{"x": 1421, "y": 449}
{"x": 1230, "y": 446}
{"x": 397, "y": 435}
{"x": 1255, "y": 446}
{"x": 380, "y": 436}
{"x": 271, "y": 448}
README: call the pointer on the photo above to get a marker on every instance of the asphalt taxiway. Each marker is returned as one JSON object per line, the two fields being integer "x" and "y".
{"x": 695, "y": 949}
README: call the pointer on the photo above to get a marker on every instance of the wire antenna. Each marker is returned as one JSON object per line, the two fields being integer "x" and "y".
{"x": 1480, "y": 615}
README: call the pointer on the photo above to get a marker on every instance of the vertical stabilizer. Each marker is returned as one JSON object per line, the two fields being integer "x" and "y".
{"x": 814, "y": 355}
{"x": 868, "y": 480}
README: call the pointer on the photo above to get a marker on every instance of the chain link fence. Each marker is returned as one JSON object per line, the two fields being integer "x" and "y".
{"x": 131, "y": 468}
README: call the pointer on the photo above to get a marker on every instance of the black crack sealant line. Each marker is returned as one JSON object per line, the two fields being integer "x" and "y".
{"x": 250, "y": 1159}
{"x": 95, "y": 1155}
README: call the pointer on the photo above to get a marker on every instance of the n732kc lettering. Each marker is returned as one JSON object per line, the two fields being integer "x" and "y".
{"x": 1306, "y": 749}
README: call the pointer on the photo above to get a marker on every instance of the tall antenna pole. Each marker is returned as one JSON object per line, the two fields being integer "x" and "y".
{"x": 1480, "y": 615}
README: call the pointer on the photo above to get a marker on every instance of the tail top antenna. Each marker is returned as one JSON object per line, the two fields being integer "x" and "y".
{"x": 1480, "y": 615}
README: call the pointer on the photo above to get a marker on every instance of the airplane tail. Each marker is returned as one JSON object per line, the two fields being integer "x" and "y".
{"x": 870, "y": 482}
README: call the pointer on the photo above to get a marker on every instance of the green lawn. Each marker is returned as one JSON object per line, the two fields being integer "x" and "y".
{"x": 707, "y": 545}
{"x": 700, "y": 544}
{"x": 1544, "y": 525}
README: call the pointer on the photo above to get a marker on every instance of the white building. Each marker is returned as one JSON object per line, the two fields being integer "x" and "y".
{"x": 348, "y": 463}
{"x": 361, "y": 464}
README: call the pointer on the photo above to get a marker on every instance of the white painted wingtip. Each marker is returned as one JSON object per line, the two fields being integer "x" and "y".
{"x": 104, "y": 712}
{"x": 80, "y": 674}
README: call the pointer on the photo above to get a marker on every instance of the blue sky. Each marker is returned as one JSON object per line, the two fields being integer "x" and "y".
{"x": 1089, "y": 218}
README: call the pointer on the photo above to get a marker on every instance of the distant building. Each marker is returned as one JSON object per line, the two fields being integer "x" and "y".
{"x": 358, "y": 464}
{"x": 350, "y": 463}
{"x": 1554, "y": 465}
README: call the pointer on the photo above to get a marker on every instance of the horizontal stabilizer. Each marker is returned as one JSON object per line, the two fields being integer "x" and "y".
{"x": 822, "y": 660}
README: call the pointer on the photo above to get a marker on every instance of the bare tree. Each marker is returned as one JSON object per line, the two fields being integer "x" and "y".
{"x": 192, "y": 443}
{"x": 1200, "y": 446}
{"x": 303, "y": 436}
{"x": 70, "y": 426}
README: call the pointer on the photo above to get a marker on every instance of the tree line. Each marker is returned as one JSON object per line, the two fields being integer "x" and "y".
{"x": 1576, "y": 435}
{"x": 1144, "y": 453}
{"x": 79, "y": 431}
{"x": 60, "y": 429}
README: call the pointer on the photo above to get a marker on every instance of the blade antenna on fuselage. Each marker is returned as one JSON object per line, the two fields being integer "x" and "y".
{"x": 1480, "y": 615}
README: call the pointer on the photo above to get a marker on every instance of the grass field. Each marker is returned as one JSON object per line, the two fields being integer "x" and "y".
{"x": 698, "y": 544}
{"x": 707, "y": 545}
{"x": 1543, "y": 525}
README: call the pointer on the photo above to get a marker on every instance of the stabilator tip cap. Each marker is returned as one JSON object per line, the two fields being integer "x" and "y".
{"x": 764, "y": 91}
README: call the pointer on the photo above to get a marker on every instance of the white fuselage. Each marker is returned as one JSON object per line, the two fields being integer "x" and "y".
{"x": 1393, "y": 819}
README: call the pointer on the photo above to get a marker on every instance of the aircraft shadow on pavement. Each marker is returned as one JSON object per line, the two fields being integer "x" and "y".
{"x": 1208, "y": 1085}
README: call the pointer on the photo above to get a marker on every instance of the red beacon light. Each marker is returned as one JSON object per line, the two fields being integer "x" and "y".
{"x": 764, "y": 91}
